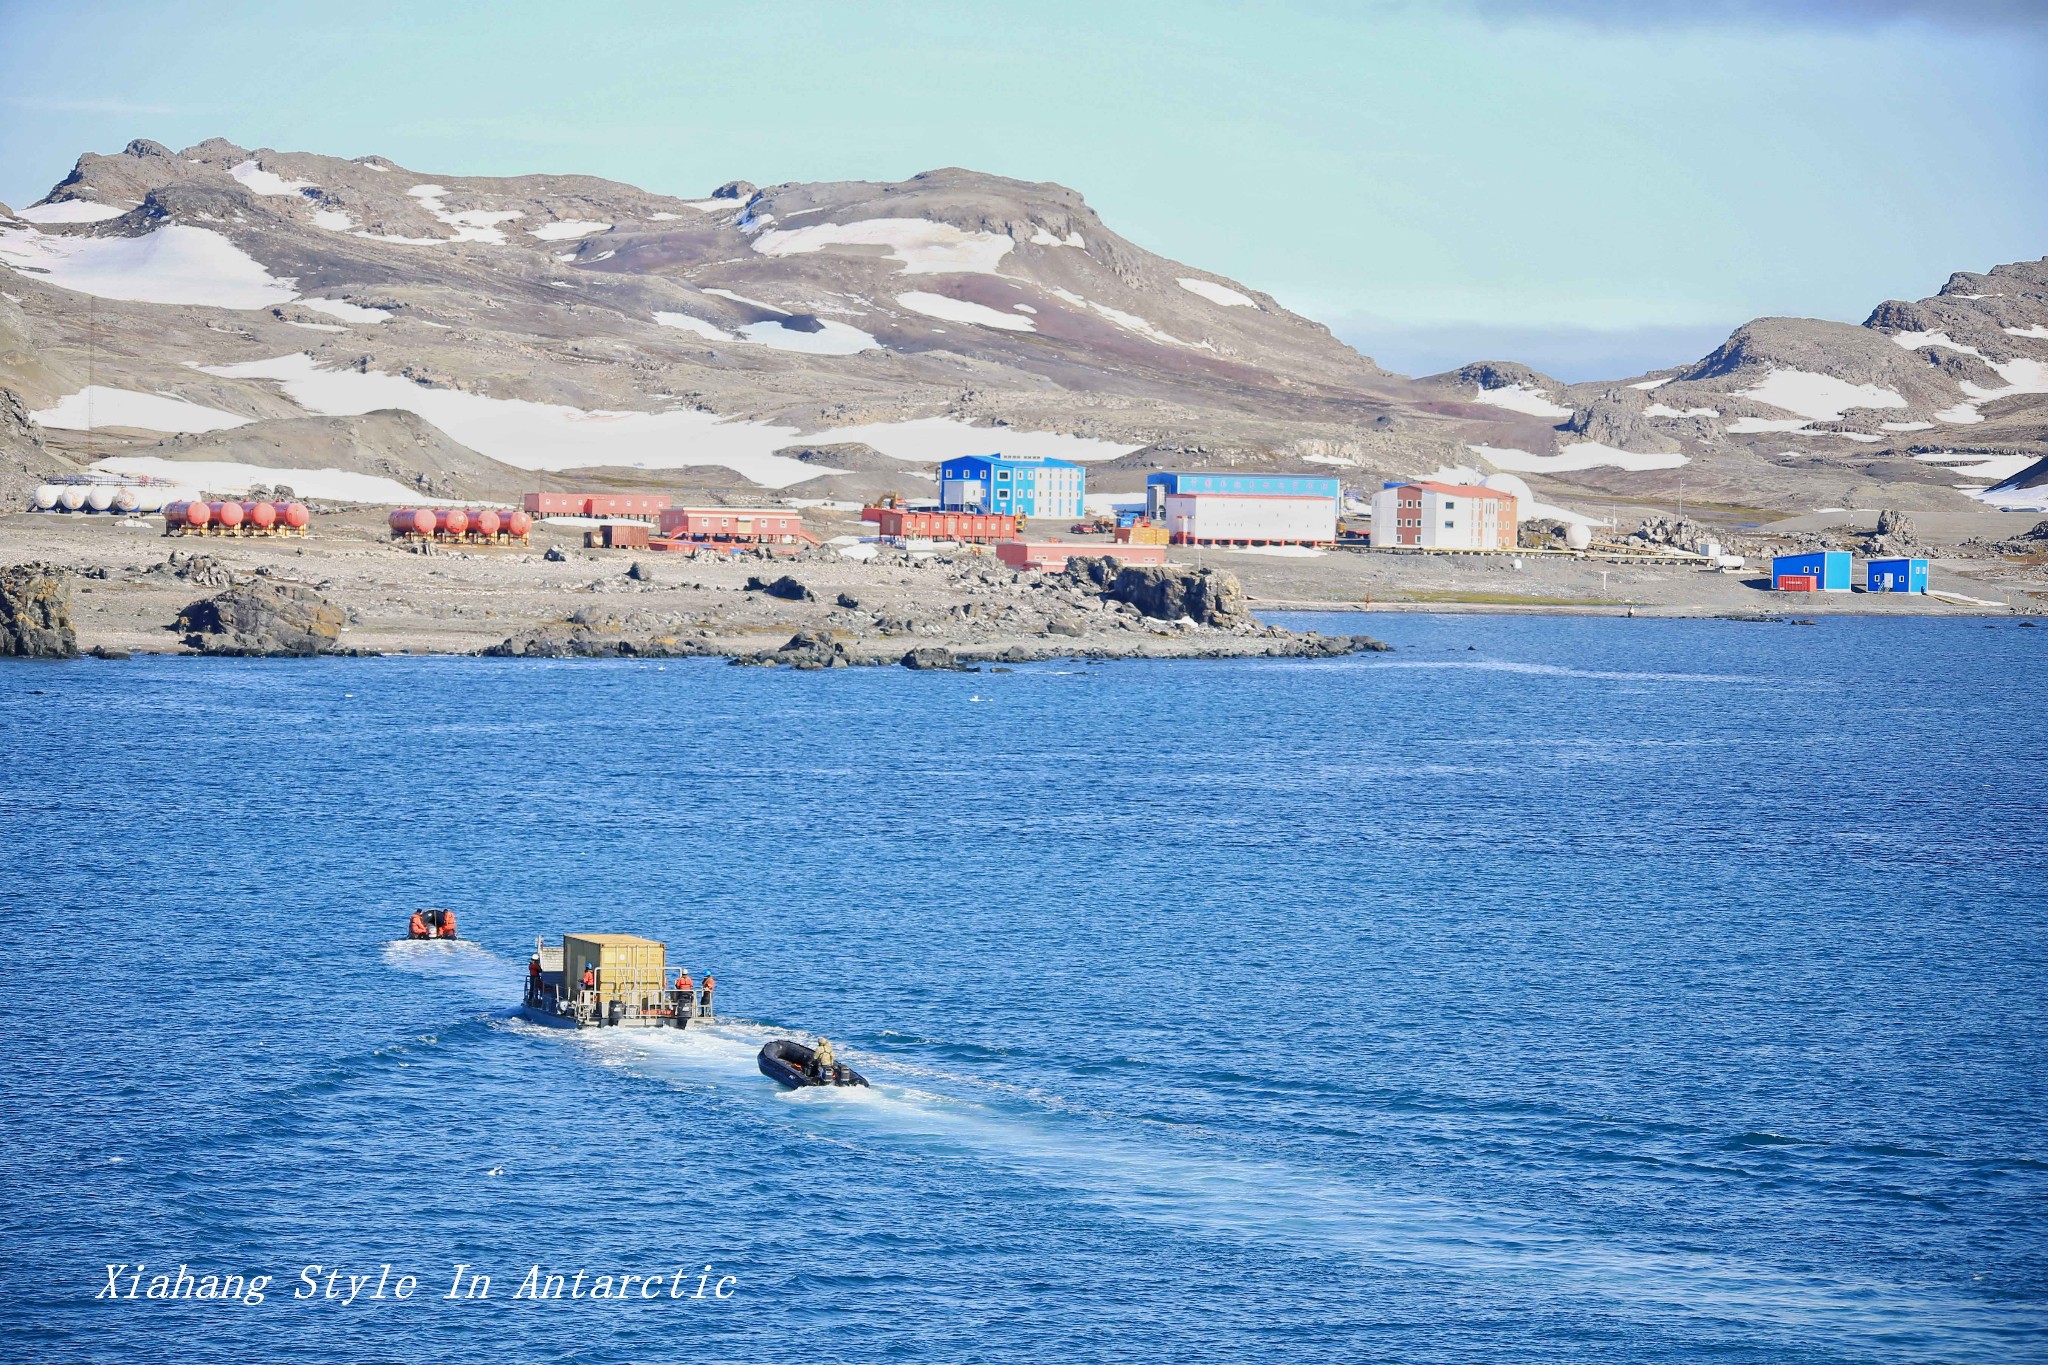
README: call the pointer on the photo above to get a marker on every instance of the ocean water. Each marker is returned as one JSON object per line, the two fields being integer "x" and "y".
{"x": 1547, "y": 990}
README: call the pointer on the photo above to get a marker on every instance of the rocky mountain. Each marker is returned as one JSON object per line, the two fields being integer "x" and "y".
{"x": 380, "y": 332}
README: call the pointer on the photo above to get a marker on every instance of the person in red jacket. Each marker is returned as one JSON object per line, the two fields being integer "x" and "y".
{"x": 686, "y": 992}
{"x": 710, "y": 984}
{"x": 418, "y": 927}
{"x": 447, "y": 924}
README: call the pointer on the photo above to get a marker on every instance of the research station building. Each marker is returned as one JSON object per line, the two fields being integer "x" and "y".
{"x": 1443, "y": 516}
{"x": 1243, "y": 509}
{"x": 1895, "y": 575}
{"x": 1012, "y": 485}
{"x": 1811, "y": 571}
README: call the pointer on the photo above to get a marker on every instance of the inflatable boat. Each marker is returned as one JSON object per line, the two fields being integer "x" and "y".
{"x": 789, "y": 1064}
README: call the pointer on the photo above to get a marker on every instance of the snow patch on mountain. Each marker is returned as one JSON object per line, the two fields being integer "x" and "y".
{"x": 567, "y": 230}
{"x": 921, "y": 245}
{"x": 1821, "y": 397}
{"x": 1217, "y": 293}
{"x": 831, "y": 338}
{"x": 1582, "y": 455}
{"x": 684, "y": 322}
{"x": 347, "y": 312}
{"x": 334, "y": 220}
{"x": 1915, "y": 341}
{"x": 471, "y": 225}
{"x": 260, "y": 181}
{"x": 1515, "y": 398}
{"x": 1130, "y": 322}
{"x": 960, "y": 310}
{"x": 1044, "y": 237}
{"x": 1752, "y": 426}
{"x": 96, "y": 406}
{"x": 2037, "y": 330}
{"x": 70, "y": 211}
{"x": 1666, "y": 410}
{"x": 175, "y": 264}
{"x": 229, "y": 479}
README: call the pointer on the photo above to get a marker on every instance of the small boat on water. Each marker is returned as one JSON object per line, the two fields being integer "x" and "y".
{"x": 610, "y": 981}
{"x": 793, "y": 1065}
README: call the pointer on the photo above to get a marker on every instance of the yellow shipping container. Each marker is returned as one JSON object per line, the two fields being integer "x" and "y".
{"x": 629, "y": 968}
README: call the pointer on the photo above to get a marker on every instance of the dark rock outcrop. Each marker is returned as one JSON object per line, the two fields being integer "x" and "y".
{"x": 35, "y": 613}
{"x": 932, "y": 658}
{"x": 807, "y": 649}
{"x": 1167, "y": 592}
{"x": 785, "y": 587}
{"x": 263, "y": 620}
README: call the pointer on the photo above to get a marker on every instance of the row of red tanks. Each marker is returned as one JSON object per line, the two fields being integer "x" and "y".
{"x": 236, "y": 518}
{"x": 484, "y": 526}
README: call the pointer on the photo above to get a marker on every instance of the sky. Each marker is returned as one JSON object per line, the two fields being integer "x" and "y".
{"x": 1593, "y": 187}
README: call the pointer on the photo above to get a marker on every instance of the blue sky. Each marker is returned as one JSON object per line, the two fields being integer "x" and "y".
{"x": 1592, "y": 186}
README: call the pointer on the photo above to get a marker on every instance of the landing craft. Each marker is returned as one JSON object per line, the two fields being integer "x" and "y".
{"x": 609, "y": 981}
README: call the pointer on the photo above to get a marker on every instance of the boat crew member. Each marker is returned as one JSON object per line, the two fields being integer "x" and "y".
{"x": 447, "y": 924}
{"x": 710, "y": 984}
{"x": 418, "y": 927}
{"x": 686, "y": 989}
{"x": 589, "y": 978}
{"x": 822, "y": 1060}
{"x": 533, "y": 978}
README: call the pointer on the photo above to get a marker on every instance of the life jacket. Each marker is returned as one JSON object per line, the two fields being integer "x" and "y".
{"x": 683, "y": 982}
{"x": 708, "y": 984}
{"x": 589, "y": 979}
{"x": 447, "y": 924}
{"x": 418, "y": 927}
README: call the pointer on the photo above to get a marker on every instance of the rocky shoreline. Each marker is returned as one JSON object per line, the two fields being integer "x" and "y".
{"x": 984, "y": 616}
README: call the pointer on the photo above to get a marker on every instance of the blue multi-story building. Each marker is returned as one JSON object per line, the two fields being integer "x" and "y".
{"x": 1019, "y": 485}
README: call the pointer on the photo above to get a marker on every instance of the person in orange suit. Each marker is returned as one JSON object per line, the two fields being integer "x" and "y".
{"x": 447, "y": 924}
{"x": 418, "y": 927}
{"x": 710, "y": 984}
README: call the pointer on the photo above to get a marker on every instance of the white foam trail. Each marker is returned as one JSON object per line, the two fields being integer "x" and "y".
{"x": 1557, "y": 671}
{"x": 1221, "y": 1194}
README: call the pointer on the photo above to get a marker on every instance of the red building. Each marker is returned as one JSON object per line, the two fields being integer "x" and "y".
{"x": 736, "y": 525}
{"x": 1054, "y": 554}
{"x": 970, "y": 527}
{"x": 638, "y": 506}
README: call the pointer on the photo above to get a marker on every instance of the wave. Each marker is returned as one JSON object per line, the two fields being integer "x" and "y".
{"x": 1560, "y": 671}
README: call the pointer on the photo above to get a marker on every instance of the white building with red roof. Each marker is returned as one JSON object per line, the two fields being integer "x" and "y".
{"x": 1443, "y": 516}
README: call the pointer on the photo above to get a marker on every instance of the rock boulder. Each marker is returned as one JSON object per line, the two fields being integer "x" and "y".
{"x": 263, "y": 620}
{"x": 35, "y": 613}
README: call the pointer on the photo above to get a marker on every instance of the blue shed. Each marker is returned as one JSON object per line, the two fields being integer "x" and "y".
{"x": 1829, "y": 569}
{"x": 1896, "y": 575}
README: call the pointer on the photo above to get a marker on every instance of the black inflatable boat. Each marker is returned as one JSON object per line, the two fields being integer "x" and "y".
{"x": 789, "y": 1064}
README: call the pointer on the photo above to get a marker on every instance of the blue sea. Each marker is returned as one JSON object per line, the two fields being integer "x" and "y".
{"x": 1546, "y": 990}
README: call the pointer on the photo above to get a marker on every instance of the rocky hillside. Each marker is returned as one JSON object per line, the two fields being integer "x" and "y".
{"x": 382, "y": 333}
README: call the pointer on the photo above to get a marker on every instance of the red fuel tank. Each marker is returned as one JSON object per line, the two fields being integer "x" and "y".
{"x": 486, "y": 522}
{"x": 294, "y": 515}
{"x": 193, "y": 514}
{"x": 518, "y": 523}
{"x": 414, "y": 521}
{"x": 226, "y": 515}
{"x": 259, "y": 515}
{"x": 451, "y": 521}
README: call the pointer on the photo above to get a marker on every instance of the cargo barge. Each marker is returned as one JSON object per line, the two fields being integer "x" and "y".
{"x": 609, "y": 981}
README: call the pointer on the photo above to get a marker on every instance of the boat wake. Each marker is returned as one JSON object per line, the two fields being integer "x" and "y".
{"x": 1197, "y": 1185}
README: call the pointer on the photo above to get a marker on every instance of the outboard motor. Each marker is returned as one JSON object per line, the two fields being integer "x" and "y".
{"x": 618, "y": 1012}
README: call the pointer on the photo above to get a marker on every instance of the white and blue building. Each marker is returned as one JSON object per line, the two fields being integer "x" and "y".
{"x": 1015, "y": 485}
{"x": 1895, "y": 575}
{"x": 1159, "y": 487}
{"x": 1829, "y": 571}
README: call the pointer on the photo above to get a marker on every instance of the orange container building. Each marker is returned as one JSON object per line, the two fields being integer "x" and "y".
{"x": 970, "y": 527}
